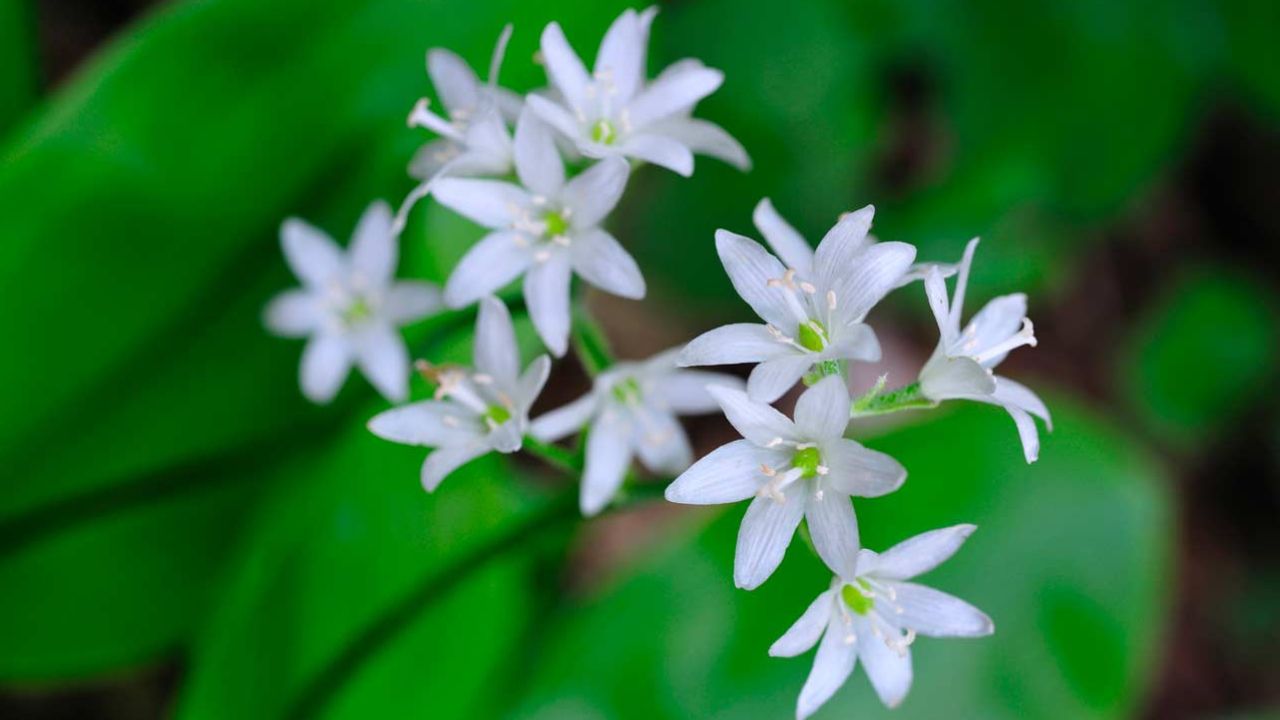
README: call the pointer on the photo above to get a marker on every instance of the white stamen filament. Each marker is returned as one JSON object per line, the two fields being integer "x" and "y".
{"x": 422, "y": 117}
{"x": 1024, "y": 336}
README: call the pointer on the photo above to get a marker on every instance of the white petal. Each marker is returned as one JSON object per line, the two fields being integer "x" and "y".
{"x": 600, "y": 260}
{"x": 383, "y": 358}
{"x": 293, "y": 313}
{"x": 488, "y": 266}
{"x": 805, "y": 631}
{"x": 703, "y": 138}
{"x": 432, "y": 157}
{"x": 487, "y": 137}
{"x": 608, "y": 455}
{"x": 935, "y": 289}
{"x": 962, "y": 282}
{"x": 659, "y": 150}
{"x": 495, "y": 351}
{"x": 445, "y": 460}
{"x": 374, "y": 246}
{"x": 507, "y": 437}
{"x": 834, "y": 530}
{"x": 455, "y": 82}
{"x": 429, "y": 423}
{"x": 755, "y": 421}
{"x": 1027, "y": 432}
{"x": 546, "y": 293}
{"x": 728, "y": 474}
{"x": 996, "y": 322}
{"x": 537, "y": 160}
{"x": 684, "y": 392}
{"x": 920, "y": 554}
{"x": 1009, "y": 392}
{"x": 785, "y": 241}
{"x": 556, "y": 116}
{"x": 872, "y": 275}
{"x": 921, "y": 270}
{"x": 311, "y": 254}
{"x": 672, "y": 93}
{"x": 325, "y": 362}
{"x": 564, "y": 68}
{"x": 832, "y": 665}
{"x": 888, "y": 669}
{"x": 751, "y": 267}
{"x": 945, "y": 378}
{"x": 766, "y": 532}
{"x": 771, "y": 379}
{"x": 856, "y": 341}
{"x": 733, "y": 344}
{"x": 937, "y": 614}
{"x": 622, "y": 54}
{"x": 532, "y": 382}
{"x": 593, "y": 194}
{"x": 839, "y": 251}
{"x": 822, "y": 412}
{"x": 661, "y": 443}
{"x": 859, "y": 471}
{"x": 410, "y": 300}
{"x": 491, "y": 203}
{"x": 564, "y": 420}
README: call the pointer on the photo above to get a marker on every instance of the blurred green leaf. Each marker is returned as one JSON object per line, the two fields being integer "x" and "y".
{"x": 1205, "y": 353}
{"x": 340, "y": 595}
{"x": 1251, "y": 54}
{"x": 1072, "y": 560}
{"x": 19, "y": 69}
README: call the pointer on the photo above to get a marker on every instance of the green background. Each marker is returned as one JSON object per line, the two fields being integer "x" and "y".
{"x": 169, "y": 500}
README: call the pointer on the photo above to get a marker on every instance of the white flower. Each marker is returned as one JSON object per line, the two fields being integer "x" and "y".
{"x": 543, "y": 230}
{"x": 961, "y": 366}
{"x": 474, "y": 411}
{"x": 813, "y": 307}
{"x": 612, "y": 111}
{"x": 474, "y": 139}
{"x": 875, "y": 615}
{"x": 350, "y": 306}
{"x": 632, "y": 411}
{"x": 805, "y": 469}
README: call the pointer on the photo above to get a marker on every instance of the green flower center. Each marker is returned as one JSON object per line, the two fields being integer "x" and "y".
{"x": 856, "y": 599}
{"x": 627, "y": 391}
{"x": 807, "y": 461}
{"x": 604, "y": 132}
{"x": 812, "y": 336}
{"x": 556, "y": 224}
{"x": 497, "y": 414}
{"x": 356, "y": 312}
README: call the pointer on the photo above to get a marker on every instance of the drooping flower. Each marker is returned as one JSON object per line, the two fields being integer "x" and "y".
{"x": 613, "y": 111}
{"x": 475, "y": 411}
{"x": 874, "y": 616}
{"x": 474, "y": 139}
{"x": 632, "y": 411}
{"x": 797, "y": 470}
{"x": 545, "y": 229}
{"x": 962, "y": 365}
{"x": 350, "y": 305}
{"x": 813, "y": 307}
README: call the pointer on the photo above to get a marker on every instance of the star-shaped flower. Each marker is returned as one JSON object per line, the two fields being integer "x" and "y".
{"x": 350, "y": 306}
{"x": 962, "y": 365}
{"x": 632, "y": 411}
{"x": 813, "y": 307}
{"x": 474, "y": 411}
{"x": 545, "y": 229}
{"x": 793, "y": 470}
{"x": 474, "y": 139}
{"x": 875, "y": 615}
{"x": 612, "y": 111}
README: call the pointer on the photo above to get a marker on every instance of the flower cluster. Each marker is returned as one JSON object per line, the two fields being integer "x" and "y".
{"x": 542, "y": 173}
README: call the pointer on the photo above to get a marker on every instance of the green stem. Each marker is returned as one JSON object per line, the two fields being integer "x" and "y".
{"x": 589, "y": 342}
{"x": 907, "y": 397}
{"x": 557, "y": 457}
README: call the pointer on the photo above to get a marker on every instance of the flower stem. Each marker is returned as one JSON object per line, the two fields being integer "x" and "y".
{"x": 589, "y": 342}
{"x": 557, "y": 457}
{"x": 875, "y": 402}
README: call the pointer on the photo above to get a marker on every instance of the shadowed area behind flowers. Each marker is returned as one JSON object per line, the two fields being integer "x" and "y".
{"x": 1116, "y": 158}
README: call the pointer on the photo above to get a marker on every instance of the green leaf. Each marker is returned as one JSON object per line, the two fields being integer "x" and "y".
{"x": 1203, "y": 355}
{"x": 1072, "y": 560}
{"x": 354, "y": 579}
